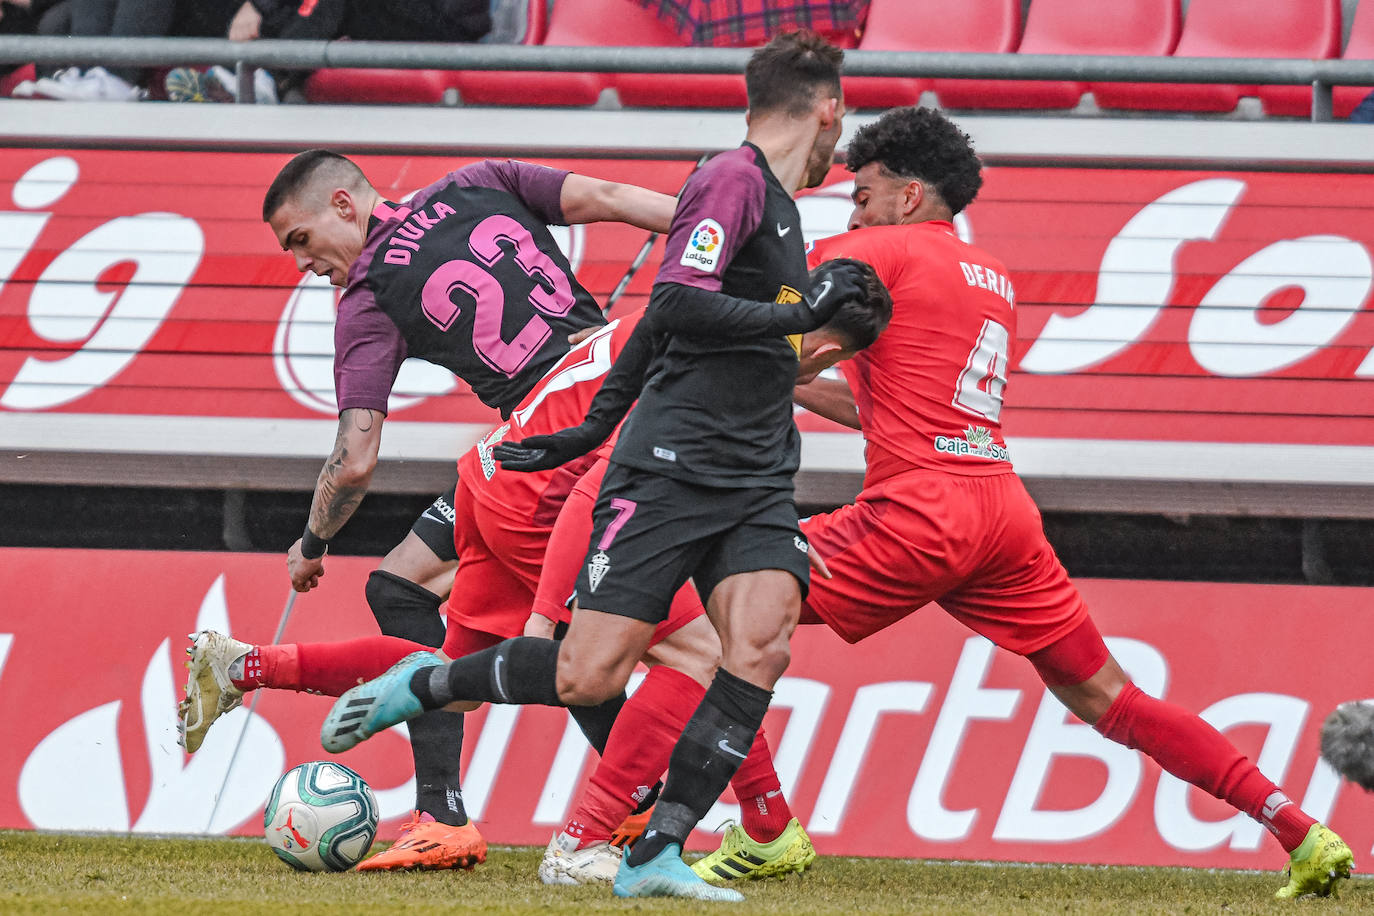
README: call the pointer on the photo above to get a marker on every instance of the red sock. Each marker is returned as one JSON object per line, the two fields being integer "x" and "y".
{"x": 329, "y": 668}
{"x": 637, "y": 752}
{"x": 1187, "y": 747}
{"x": 763, "y": 809}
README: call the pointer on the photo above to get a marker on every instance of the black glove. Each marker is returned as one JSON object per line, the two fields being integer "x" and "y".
{"x": 539, "y": 453}
{"x": 833, "y": 287}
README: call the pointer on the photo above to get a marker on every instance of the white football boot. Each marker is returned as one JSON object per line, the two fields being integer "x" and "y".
{"x": 564, "y": 863}
{"x": 209, "y": 692}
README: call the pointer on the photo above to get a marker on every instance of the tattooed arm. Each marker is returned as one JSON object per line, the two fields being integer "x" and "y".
{"x": 341, "y": 486}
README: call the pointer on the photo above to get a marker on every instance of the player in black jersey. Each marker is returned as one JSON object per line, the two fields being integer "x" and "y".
{"x": 701, "y": 480}
{"x": 466, "y": 275}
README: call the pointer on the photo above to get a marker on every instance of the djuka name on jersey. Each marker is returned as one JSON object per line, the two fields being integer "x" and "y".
{"x": 987, "y": 278}
{"x": 411, "y": 231}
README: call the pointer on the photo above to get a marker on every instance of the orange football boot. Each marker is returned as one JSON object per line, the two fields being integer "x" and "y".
{"x": 631, "y": 829}
{"x": 427, "y": 844}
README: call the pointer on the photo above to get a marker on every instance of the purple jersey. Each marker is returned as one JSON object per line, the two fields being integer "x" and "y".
{"x": 465, "y": 275}
{"x": 717, "y": 410}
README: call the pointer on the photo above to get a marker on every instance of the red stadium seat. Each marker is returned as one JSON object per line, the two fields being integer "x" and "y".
{"x": 932, "y": 25}
{"x": 637, "y": 26}
{"x": 14, "y": 78}
{"x": 1221, "y": 28}
{"x": 347, "y": 86}
{"x": 570, "y": 24}
{"x": 1125, "y": 27}
{"x": 415, "y": 87}
{"x": 1359, "y": 47}
{"x": 634, "y": 25}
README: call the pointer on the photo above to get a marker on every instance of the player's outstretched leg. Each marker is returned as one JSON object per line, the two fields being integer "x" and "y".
{"x": 210, "y": 692}
{"x": 666, "y": 875}
{"x": 1316, "y": 865}
{"x": 1189, "y": 748}
{"x": 425, "y": 843}
{"x": 740, "y": 856}
{"x": 369, "y": 708}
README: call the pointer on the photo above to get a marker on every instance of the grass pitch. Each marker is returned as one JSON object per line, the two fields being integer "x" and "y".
{"x": 50, "y": 873}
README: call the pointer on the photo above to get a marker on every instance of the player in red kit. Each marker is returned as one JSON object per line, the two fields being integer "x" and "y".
{"x": 501, "y": 529}
{"x": 943, "y": 517}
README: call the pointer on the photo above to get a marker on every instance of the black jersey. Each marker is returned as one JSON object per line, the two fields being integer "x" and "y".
{"x": 715, "y": 410}
{"x": 465, "y": 275}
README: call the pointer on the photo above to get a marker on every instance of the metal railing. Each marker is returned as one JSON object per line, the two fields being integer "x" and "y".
{"x": 1321, "y": 75}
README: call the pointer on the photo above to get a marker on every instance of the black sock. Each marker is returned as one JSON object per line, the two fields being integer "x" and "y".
{"x": 436, "y": 740}
{"x": 596, "y": 721}
{"x": 713, "y": 744}
{"x": 521, "y": 671}
{"x": 409, "y": 611}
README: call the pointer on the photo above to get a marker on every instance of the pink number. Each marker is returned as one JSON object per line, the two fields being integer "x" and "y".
{"x": 623, "y": 508}
{"x": 552, "y": 293}
{"x": 489, "y": 302}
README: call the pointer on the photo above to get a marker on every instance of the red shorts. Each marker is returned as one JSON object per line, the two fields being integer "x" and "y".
{"x": 568, "y": 548}
{"x": 976, "y": 545}
{"x": 499, "y": 559}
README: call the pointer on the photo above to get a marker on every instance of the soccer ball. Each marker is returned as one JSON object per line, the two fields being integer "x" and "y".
{"x": 321, "y": 817}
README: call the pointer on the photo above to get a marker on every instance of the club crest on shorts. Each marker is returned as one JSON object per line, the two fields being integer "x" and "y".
{"x": 704, "y": 246}
{"x": 596, "y": 568}
{"x": 799, "y": 542}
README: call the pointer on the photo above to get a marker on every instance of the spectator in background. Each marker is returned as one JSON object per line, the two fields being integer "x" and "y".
{"x": 317, "y": 20}
{"x": 1364, "y": 112}
{"x": 17, "y": 17}
{"x": 95, "y": 18}
{"x": 737, "y": 23}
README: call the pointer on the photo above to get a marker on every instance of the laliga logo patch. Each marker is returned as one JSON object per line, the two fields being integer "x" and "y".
{"x": 703, "y": 246}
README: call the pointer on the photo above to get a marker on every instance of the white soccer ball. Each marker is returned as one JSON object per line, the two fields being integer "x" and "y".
{"x": 321, "y": 816}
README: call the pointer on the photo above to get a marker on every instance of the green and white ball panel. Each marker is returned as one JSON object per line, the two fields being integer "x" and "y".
{"x": 321, "y": 816}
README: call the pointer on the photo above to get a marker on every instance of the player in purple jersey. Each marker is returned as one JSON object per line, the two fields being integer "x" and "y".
{"x": 466, "y": 275}
{"x": 700, "y": 483}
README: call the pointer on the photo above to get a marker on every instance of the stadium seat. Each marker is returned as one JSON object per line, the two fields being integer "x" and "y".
{"x": 1360, "y": 46}
{"x": 14, "y": 78}
{"x": 932, "y": 25}
{"x": 635, "y": 25}
{"x": 1124, "y": 27}
{"x": 693, "y": 90}
{"x": 349, "y": 86}
{"x": 1221, "y": 28}
{"x": 569, "y": 23}
{"x": 415, "y": 87}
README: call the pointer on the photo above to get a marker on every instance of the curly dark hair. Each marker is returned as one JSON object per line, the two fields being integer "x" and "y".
{"x": 860, "y": 321}
{"x": 785, "y": 74}
{"x": 922, "y": 144}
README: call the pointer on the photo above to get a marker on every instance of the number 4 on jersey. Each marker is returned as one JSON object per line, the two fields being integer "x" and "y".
{"x": 979, "y": 388}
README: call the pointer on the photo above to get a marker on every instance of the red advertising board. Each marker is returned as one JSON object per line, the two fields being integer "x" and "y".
{"x": 922, "y": 741}
{"x": 1171, "y": 323}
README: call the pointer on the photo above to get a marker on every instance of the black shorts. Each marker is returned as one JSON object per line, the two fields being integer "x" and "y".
{"x": 435, "y": 525}
{"x": 651, "y": 533}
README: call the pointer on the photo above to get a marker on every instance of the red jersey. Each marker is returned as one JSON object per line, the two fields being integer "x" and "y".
{"x": 929, "y": 389}
{"x": 558, "y": 400}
